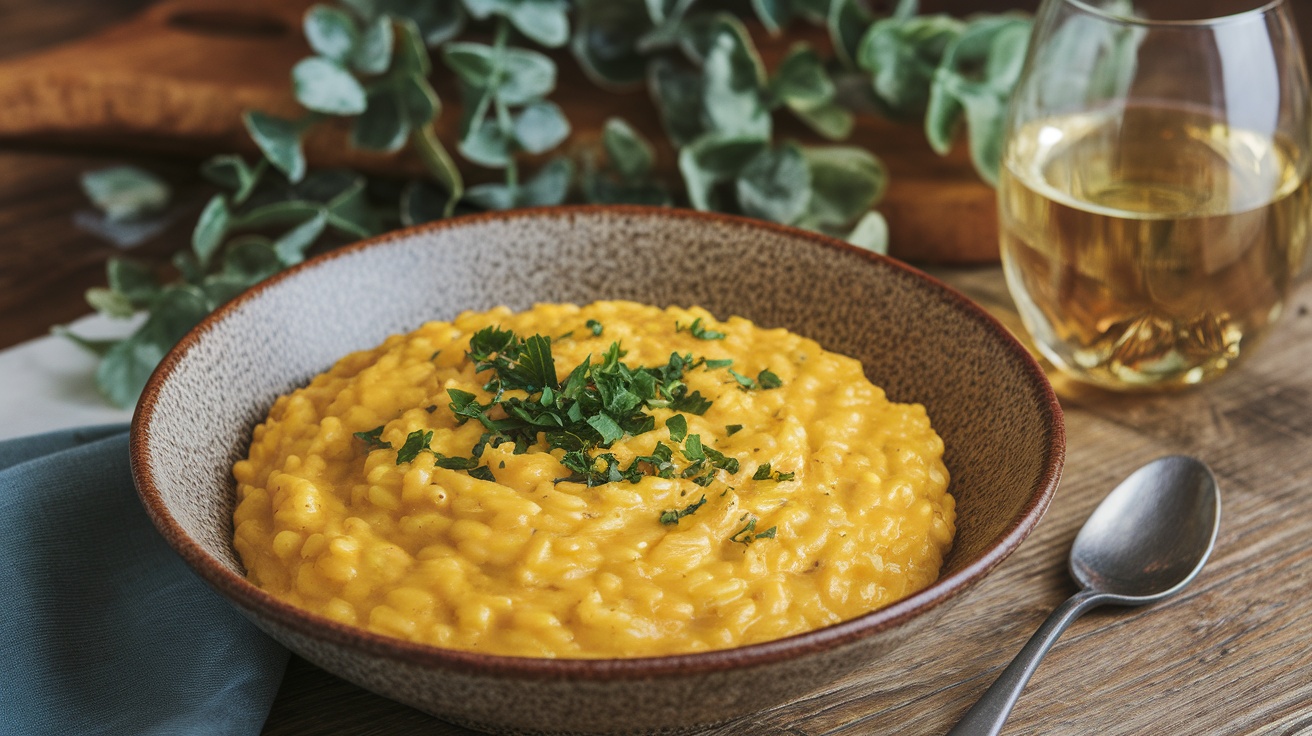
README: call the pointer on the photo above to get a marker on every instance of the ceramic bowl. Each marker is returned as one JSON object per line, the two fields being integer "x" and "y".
{"x": 917, "y": 338}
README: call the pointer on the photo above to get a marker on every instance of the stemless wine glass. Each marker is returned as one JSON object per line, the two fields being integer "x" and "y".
{"x": 1154, "y": 194}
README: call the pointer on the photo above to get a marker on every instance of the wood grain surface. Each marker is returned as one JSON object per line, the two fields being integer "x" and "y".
{"x": 1231, "y": 655}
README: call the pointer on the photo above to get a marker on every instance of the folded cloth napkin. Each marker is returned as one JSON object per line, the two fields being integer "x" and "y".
{"x": 103, "y": 628}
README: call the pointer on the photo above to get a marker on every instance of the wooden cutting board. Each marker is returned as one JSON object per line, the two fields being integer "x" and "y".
{"x": 177, "y": 77}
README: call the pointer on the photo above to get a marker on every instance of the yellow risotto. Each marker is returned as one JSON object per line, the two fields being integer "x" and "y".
{"x": 614, "y": 480}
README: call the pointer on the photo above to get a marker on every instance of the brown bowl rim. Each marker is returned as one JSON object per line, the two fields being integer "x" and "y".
{"x": 255, "y": 600}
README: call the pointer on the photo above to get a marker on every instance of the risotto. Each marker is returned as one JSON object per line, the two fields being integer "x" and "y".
{"x": 613, "y": 480}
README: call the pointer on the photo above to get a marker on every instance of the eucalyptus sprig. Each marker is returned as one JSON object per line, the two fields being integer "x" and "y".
{"x": 717, "y": 101}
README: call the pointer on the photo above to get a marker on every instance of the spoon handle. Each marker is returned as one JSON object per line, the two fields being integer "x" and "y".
{"x": 986, "y": 717}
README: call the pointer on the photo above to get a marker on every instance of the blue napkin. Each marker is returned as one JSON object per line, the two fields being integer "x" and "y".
{"x": 103, "y": 628}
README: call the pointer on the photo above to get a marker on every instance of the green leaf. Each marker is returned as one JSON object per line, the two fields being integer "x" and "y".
{"x": 382, "y": 126}
{"x": 845, "y": 183}
{"x": 732, "y": 102}
{"x": 815, "y": 11}
{"x": 418, "y": 101}
{"x": 774, "y": 14}
{"x": 109, "y": 303}
{"x": 659, "y": 10}
{"x": 350, "y": 212}
{"x": 491, "y": 196}
{"x": 628, "y": 152}
{"x": 290, "y": 248}
{"x": 136, "y": 282}
{"x": 123, "y": 372}
{"x": 422, "y": 202}
{"x": 549, "y": 186}
{"x": 678, "y": 95}
{"x": 280, "y": 142}
{"x": 602, "y": 190}
{"x": 528, "y": 76}
{"x": 871, "y": 233}
{"x": 473, "y": 62}
{"x": 902, "y": 56}
{"x": 540, "y": 127}
{"x": 831, "y": 120}
{"x": 976, "y": 76}
{"x": 410, "y": 55}
{"x": 286, "y": 212}
{"x": 606, "y": 41}
{"x": 711, "y": 160}
{"x": 415, "y": 443}
{"x": 125, "y": 192}
{"x": 210, "y": 229}
{"x": 439, "y": 165}
{"x": 487, "y": 145}
{"x": 331, "y": 32}
{"x": 95, "y": 347}
{"x": 801, "y": 79}
{"x": 775, "y": 185}
{"x": 326, "y": 86}
{"x": 373, "y": 53}
{"x": 484, "y": 9}
{"x": 678, "y": 426}
{"x": 436, "y": 21}
{"x": 543, "y": 22}
{"x": 609, "y": 430}
{"x": 847, "y": 20}
{"x": 232, "y": 172}
{"x": 250, "y": 261}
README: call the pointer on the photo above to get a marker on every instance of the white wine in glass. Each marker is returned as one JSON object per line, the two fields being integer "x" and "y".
{"x": 1154, "y": 195}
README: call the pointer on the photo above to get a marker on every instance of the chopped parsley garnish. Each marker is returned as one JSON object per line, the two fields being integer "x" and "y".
{"x": 764, "y": 380}
{"x": 482, "y": 473}
{"x": 672, "y": 517}
{"x": 596, "y": 405}
{"x": 418, "y": 441}
{"x": 374, "y": 438}
{"x": 748, "y": 533}
{"x": 720, "y": 363}
{"x": 699, "y": 331}
{"x": 763, "y": 473}
{"x": 595, "y": 326}
{"x": 745, "y": 381}
{"x": 415, "y": 443}
{"x": 732, "y": 429}
{"x": 678, "y": 426}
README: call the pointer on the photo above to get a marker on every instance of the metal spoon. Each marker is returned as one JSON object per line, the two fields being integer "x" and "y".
{"x": 1144, "y": 542}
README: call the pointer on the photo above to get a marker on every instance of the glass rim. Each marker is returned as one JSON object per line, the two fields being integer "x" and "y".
{"x": 1243, "y": 15}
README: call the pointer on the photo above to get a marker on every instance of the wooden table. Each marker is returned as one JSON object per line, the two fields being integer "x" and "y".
{"x": 1231, "y": 655}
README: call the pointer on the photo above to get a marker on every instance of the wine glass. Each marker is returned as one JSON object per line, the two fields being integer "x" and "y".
{"x": 1154, "y": 193}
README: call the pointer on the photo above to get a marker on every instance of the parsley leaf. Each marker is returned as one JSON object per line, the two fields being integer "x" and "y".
{"x": 768, "y": 379}
{"x": 415, "y": 443}
{"x": 672, "y": 517}
{"x": 374, "y": 438}
{"x": 748, "y": 533}
{"x": 746, "y": 382}
{"x": 678, "y": 426}
{"x": 763, "y": 473}
{"x": 719, "y": 363}
{"x": 732, "y": 429}
{"x": 595, "y": 326}
{"x": 697, "y": 330}
{"x": 482, "y": 473}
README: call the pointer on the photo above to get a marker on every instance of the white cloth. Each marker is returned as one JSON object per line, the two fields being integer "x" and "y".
{"x": 49, "y": 383}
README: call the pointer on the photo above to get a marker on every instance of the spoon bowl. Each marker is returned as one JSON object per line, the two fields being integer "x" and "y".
{"x": 1144, "y": 542}
{"x": 1152, "y": 533}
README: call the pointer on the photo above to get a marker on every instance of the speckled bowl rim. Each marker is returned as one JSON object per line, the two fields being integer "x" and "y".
{"x": 246, "y": 595}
